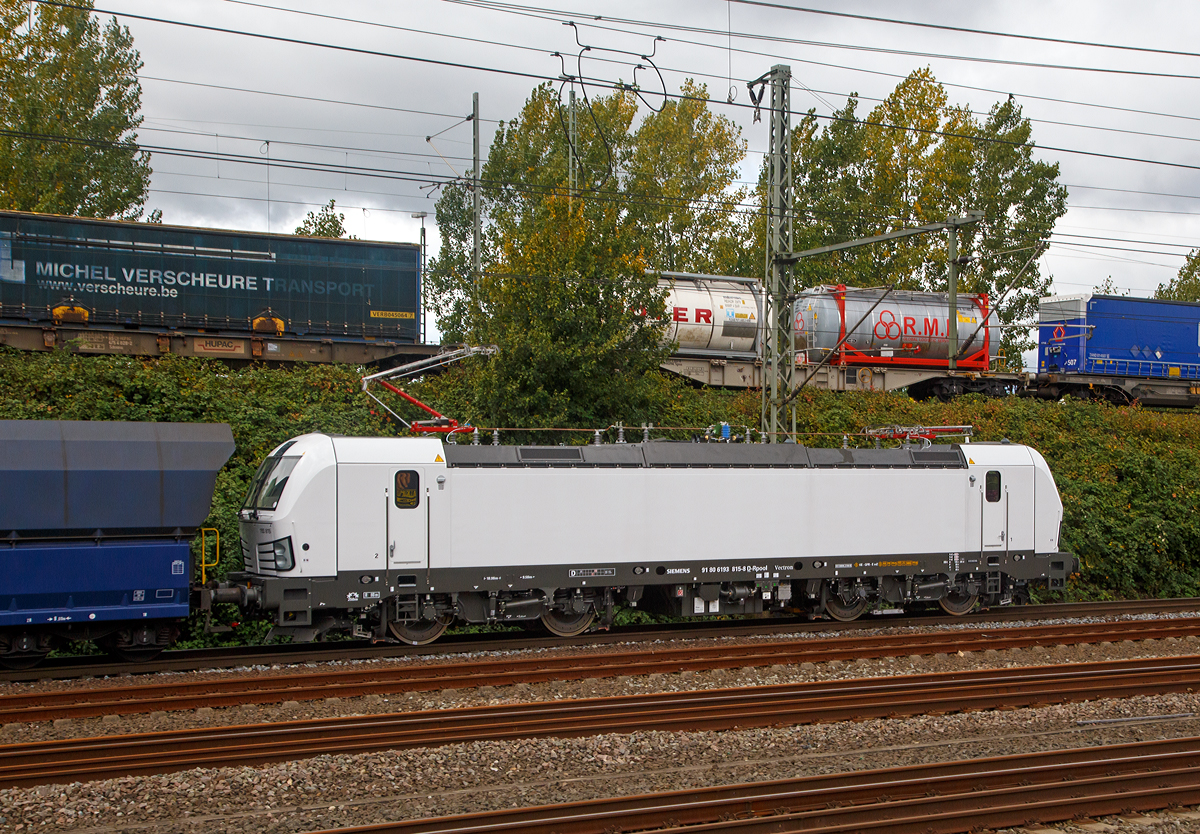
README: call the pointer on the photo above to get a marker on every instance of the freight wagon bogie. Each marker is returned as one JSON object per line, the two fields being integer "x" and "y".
{"x": 398, "y": 538}
{"x": 22, "y": 647}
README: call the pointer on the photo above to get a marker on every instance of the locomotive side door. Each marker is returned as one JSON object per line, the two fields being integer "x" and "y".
{"x": 407, "y": 530}
{"x": 993, "y": 512}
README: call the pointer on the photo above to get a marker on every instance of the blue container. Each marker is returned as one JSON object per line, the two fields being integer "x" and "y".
{"x": 1115, "y": 336}
{"x": 150, "y": 275}
{"x": 78, "y": 583}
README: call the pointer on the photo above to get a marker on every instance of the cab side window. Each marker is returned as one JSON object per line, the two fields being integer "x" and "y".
{"x": 408, "y": 489}
{"x": 991, "y": 486}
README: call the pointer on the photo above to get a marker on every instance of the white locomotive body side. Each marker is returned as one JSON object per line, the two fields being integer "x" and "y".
{"x": 406, "y": 535}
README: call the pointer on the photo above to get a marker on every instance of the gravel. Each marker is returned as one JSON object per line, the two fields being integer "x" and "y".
{"x": 335, "y": 791}
{"x": 415, "y": 661}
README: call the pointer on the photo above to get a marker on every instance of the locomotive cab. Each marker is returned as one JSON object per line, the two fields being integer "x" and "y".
{"x": 286, "y": 527}
{"x": 1012, "y": 518}
{"x": 288, "y": 533}
{"x": 330, "y": 532}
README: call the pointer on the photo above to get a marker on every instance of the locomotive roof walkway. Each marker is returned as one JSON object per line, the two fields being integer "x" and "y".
{"x": 374, "y": 679}
{"x": 38, "y": 763}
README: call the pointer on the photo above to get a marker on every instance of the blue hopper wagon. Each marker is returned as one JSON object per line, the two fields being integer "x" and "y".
{"x": 95, "y": 523}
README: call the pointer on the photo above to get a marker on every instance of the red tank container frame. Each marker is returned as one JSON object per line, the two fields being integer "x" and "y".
{"x": 845, "y": 355}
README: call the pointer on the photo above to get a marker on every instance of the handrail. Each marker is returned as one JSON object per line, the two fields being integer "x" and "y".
{"x": 204, "y": 563}
{"x": 1149, "y": 368}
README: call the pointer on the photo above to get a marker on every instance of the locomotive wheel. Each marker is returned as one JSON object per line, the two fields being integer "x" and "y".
{"x": 567, "y": 625}
{"x": 837, "y": 608}
{"x": 420, "y": 632}
{"x": 958, "y": 603}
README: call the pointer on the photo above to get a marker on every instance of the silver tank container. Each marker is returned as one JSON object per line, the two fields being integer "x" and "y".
{"x": 711, "y": 314}
{"x": 908, "y": 325}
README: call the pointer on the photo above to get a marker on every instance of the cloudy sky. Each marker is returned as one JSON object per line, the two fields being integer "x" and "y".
{"x": 354, "y": 88}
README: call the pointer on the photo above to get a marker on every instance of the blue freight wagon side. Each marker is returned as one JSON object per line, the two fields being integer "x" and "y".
{"x": 104, "y": 272}
{"x": 1119, "y": 337}
{"x": 94, "y": 583}
{"x": 95, "y": 524}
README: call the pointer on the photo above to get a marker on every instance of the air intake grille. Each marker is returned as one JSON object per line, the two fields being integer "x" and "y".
{"x": 266, "y": 557}
{"x": 540, "y": 454}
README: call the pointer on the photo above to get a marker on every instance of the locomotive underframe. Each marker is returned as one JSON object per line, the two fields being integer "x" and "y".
{"x": 366, "y": 603}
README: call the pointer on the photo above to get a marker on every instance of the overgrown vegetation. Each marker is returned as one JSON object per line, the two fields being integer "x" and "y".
{"x": 70, "y": 107}
{"x": 1126, "y": 475}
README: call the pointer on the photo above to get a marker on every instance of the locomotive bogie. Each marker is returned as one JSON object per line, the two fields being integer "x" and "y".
{"x": 425, "y": 533}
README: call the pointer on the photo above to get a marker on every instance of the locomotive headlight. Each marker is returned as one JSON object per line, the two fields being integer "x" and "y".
{"x": 283, "y": 554}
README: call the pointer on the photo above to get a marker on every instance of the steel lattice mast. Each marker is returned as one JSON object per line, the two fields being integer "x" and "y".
{"x": 779, "y": 351}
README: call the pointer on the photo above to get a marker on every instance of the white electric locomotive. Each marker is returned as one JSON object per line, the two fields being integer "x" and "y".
{"x": 401, "y": 537}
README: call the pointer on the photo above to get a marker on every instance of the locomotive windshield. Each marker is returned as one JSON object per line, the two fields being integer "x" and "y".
{"x": 270, "y": 480}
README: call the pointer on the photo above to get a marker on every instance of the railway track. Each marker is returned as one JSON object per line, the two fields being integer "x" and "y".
{"x": 311, "y": 685}
{"x": 948, "y": 797}
{"x": 187, "y": 660}
{"x": 850, "y": 700}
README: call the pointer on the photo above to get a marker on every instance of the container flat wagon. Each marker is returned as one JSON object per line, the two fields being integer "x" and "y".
{"x": 901, "y": 342}
{"x": 104, "y": 286}
{"x": 1119, "y": 348}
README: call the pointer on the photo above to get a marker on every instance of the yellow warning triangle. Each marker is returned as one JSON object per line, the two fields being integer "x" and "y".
{"x": 438, "y": 459}
{"x": 970, "y": 461}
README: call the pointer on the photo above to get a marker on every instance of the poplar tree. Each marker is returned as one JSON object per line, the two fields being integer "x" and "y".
{"x": 327, "y": 222}
{"x": 563, "y": 291}
{"x": 1185, "y": 286}
{"x": 918, "y": 159}
{"x": 70, "y": 103}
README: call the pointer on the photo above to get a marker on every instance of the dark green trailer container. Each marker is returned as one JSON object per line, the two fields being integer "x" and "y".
{"x": 111, "y": 274}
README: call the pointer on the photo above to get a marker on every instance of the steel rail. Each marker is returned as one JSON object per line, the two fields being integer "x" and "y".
{"x": 791, "y": 704}
{"x": 880, "y": 791}
{"x": 186, "y": 660}
{"x": 343, "y": 683}
{"x": 1000, "y": 808}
